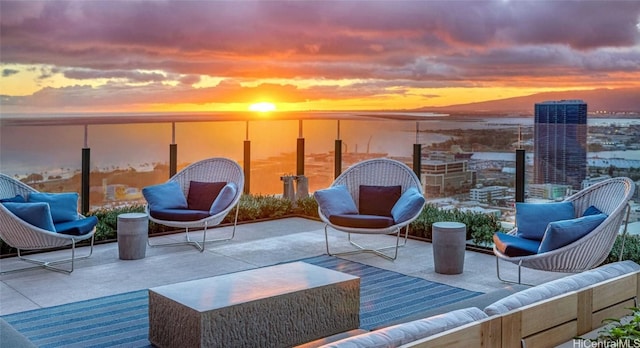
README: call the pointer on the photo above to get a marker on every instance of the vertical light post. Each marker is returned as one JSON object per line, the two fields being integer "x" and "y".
{"x": 173, "y": 152}
{"x": 337, "y": 154}
{"x": 247, "y": 160}
{"x": 417, "y": 153}
{"x": 300, "y": 151}
{"x": 86, "y": 171}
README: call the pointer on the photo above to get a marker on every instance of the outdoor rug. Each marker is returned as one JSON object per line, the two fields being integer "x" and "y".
{"x": 123, "y": 320}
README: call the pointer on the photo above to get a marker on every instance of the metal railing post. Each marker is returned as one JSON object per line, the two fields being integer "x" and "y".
{"x": 173, "y": 152}
{"x": 86, "y": 173}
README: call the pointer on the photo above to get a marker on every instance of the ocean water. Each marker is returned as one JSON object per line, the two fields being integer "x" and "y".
{"x": 55, "y": 149}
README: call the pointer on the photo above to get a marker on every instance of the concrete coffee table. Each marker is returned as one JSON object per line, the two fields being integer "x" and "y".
{"x": 278, "y": 306}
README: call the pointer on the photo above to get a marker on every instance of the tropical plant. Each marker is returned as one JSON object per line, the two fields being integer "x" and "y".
{"x": 621, "y": 332}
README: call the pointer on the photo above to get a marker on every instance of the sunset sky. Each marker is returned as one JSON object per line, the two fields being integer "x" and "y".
{"x": 128, "y": 56}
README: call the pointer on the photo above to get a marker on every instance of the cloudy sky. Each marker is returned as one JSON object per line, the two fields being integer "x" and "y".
{"x": 66, "y": 56}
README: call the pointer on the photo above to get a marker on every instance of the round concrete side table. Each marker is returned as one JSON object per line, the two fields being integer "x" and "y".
{"x": 133, "y": 231}
{"x": 448, "y": 240}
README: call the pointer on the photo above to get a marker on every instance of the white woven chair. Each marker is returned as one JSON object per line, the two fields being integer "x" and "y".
{"x": 374, "y": 172}
{"x": 208, "y": 170}
{"x": 611, "y": 197}
{"x": 23, "y": 236}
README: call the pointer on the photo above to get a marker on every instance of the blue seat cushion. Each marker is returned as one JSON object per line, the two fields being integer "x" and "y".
{"x": 361, "y": 221}
{"x": 202, "y": 194}
{"x": 64, "y": 206}
{"x": 335, "y": 200}
{"x": 165, "y": 196}
{"x": 36, "y": 214}
{"x": 378, "y": 200}
{"x": 179, "y": 214}
{"x": 564, "y": 232}
{"x": 226, "y": 197}
{"x": 409, "y": 205}
{"x": 532, "y": 218}
{"x": 78, "y": 227}
{"x": 515, "y": 246}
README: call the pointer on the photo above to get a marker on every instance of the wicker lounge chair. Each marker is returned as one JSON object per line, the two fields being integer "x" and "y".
{"x": 212, "y": 170}
{"x": 380, "y": 172}
{"x": 22, "y": 235}
{"x": 610, "y": 197}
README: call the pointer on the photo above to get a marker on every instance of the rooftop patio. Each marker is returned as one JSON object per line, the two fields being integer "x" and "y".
{"x": 255, "y": 245}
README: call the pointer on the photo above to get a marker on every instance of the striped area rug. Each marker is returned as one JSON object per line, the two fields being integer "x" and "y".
{"x": 123, "y": 321}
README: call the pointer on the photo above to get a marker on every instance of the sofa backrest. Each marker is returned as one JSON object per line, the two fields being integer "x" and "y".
{"x": 561, "y": 286}
{"x": 397, "y": 335}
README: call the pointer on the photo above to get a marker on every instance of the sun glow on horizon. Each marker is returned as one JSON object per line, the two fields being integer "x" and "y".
{"x": 262, "y": 107}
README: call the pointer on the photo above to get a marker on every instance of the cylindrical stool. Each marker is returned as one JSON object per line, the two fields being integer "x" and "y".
{"x": 133, "y": 231}
{"x": 448, "y": 240}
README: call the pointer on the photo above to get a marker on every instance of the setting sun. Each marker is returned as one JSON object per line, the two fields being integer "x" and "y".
{"x": 262, "y": 107}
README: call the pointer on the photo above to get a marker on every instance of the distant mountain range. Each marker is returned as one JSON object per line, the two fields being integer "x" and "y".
{"x": 611, "y": 100}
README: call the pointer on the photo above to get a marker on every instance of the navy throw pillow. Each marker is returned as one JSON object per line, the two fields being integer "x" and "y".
{"x": 202, "y": 194}
{"x": 378, "y": 200}
{"x": 591, "y": 211}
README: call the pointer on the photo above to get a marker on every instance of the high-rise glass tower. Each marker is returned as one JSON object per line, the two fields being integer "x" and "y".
{"x": 560, "y": 143}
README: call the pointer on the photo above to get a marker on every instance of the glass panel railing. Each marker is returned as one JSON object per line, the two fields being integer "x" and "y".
{"x": 480, "y": 153}
{"x": 46, "y": 157}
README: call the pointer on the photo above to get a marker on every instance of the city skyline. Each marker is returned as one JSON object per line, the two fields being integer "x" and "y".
{"x": 153, "y": 56}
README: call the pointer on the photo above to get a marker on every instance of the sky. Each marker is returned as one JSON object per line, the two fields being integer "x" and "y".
{"x": 156, "y": 56}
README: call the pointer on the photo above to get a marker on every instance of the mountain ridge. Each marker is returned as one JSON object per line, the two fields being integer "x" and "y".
{"x": 600, "y": 99}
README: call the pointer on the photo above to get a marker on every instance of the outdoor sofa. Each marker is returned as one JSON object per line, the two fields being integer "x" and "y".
{"x": 541, "y": 316}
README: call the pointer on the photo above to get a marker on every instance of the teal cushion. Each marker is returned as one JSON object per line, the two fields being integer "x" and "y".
{"x": 202, "y": 194}
{"x": 64, "y": 206}
{"x": 15, "y": 199}
{"x": 409, "y": 205}
{"x": 226, "y": 196}
{"x": 165, "y": 196}
{"x": 78, "y": 227}
{"x": 378, "y": 200}
{"x": 37, "y": 214}
{"x": 515, "y": 246}
{"x": 335, "y": 200}
{"x": 564, "y": 232}
{"x": 532, "y": 218}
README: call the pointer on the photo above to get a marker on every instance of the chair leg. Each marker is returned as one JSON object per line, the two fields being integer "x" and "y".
{"x": 50, "y": 265}
{"x": 519, "y": 282}
{"x": 361, "y": 249}
{"x": 200, "y": 245}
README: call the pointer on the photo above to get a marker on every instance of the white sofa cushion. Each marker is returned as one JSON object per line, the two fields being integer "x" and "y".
{"x": 396, "y": 335}
{"x": 561, "y": 286}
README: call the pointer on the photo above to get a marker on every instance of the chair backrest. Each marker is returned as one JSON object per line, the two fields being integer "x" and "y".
{"x": 377, "y": 172}
{"x": 611, "y": 197}
{"x": 215, "y": 169}
{"x": 10, "y": 187}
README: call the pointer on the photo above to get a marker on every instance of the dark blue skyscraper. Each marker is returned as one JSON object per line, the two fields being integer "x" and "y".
{"x": 560, "y": 141}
